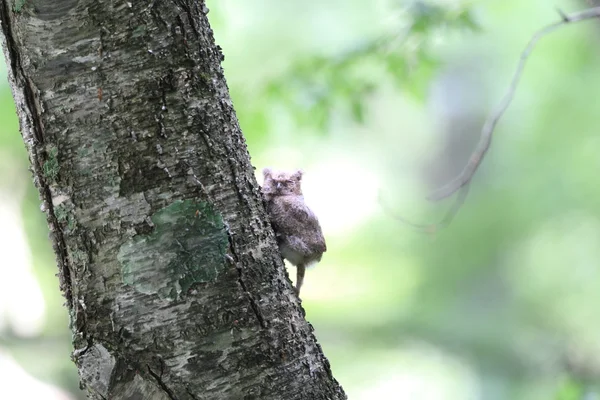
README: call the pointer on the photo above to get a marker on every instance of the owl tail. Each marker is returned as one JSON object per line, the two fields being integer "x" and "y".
{"x": 300, "y": 268}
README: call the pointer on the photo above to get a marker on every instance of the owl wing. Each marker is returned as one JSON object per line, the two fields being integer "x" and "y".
{"x": 302, "y": 218}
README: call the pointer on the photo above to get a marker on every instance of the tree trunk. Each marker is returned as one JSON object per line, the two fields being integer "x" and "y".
{"x": 168, "y": 264}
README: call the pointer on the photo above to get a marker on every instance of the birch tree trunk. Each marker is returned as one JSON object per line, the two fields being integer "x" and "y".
{"x": 166, "y": 259}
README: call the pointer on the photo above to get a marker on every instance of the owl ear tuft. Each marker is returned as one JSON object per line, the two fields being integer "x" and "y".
{"x": 267, "y": 172}
{"x": 298, "y": 175}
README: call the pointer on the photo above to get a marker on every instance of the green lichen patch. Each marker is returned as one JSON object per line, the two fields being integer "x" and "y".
{"x": 61, "y": 213}
{"x": 140, "y": 30}
{"x": 50, "y": 167}
{"x": 188, "y": 245}
{"x": 64, "y": 217}
{"x": 18, "y": 5}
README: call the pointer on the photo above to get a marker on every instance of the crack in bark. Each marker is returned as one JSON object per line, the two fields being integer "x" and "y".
{"x": 80, "y": 352}
{"x": 235, "y": 262}
{"x": 160, "y": 383}
{"x": 194, "y": 397}
{"x": 21, "y": 81}
{"x": 15, "y": 64}
{"x": 101, "y": 397}
{"x": 190, "y": 17}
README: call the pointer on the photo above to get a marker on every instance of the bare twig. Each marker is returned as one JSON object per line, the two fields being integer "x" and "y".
{"x": 433, "y": 227}
{"x": 563, "y": 15}
{"x": 485, "y": 140}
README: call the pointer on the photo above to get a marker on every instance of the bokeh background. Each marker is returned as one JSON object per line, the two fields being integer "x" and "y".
{"x": 381, "y": 102}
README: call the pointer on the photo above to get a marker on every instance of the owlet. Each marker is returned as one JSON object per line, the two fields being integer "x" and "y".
{"x": 297, "y": 230}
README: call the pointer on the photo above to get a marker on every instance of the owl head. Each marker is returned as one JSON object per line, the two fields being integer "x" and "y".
{"x": 282, "y": 183}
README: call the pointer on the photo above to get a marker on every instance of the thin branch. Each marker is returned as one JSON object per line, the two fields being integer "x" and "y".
{"x": 562, "y": 14}
{"x": 488, "y": 129}
{"x": 433, "y": 227}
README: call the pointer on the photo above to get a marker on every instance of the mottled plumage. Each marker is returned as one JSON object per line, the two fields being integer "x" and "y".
{"x": 296, "y": 227}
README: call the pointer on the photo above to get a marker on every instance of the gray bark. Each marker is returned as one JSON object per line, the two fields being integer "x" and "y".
{"x": 166, "y": 259}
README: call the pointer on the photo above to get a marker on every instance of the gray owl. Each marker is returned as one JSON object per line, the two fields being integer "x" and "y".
{"x": 299, "y": 235}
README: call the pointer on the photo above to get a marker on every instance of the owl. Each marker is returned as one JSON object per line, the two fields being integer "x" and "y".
{"x": 297, "y": 230}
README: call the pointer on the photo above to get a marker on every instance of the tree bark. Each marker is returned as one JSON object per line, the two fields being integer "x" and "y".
{"x": 166, "y": 258}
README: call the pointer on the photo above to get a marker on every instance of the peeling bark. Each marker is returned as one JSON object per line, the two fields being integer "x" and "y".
{"x": 166, "y": 259}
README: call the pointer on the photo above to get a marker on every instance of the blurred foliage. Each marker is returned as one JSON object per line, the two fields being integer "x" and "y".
{"x": 314, "y": 86}
{"x": 379, "y": 97}
{"x": 570, "y": 390}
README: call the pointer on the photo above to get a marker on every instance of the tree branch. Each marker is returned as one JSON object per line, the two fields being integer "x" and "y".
{"x": 485, "y": 140}
{"x": 436, "y": 226}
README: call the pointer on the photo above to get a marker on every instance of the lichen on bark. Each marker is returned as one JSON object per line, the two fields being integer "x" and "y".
{"x": 187, "y": 245}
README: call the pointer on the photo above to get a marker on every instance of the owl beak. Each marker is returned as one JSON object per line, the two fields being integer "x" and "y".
{"x": 278, "y": 185}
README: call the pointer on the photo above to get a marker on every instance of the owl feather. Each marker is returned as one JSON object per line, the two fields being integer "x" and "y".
{"x": 299, "y": 235}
